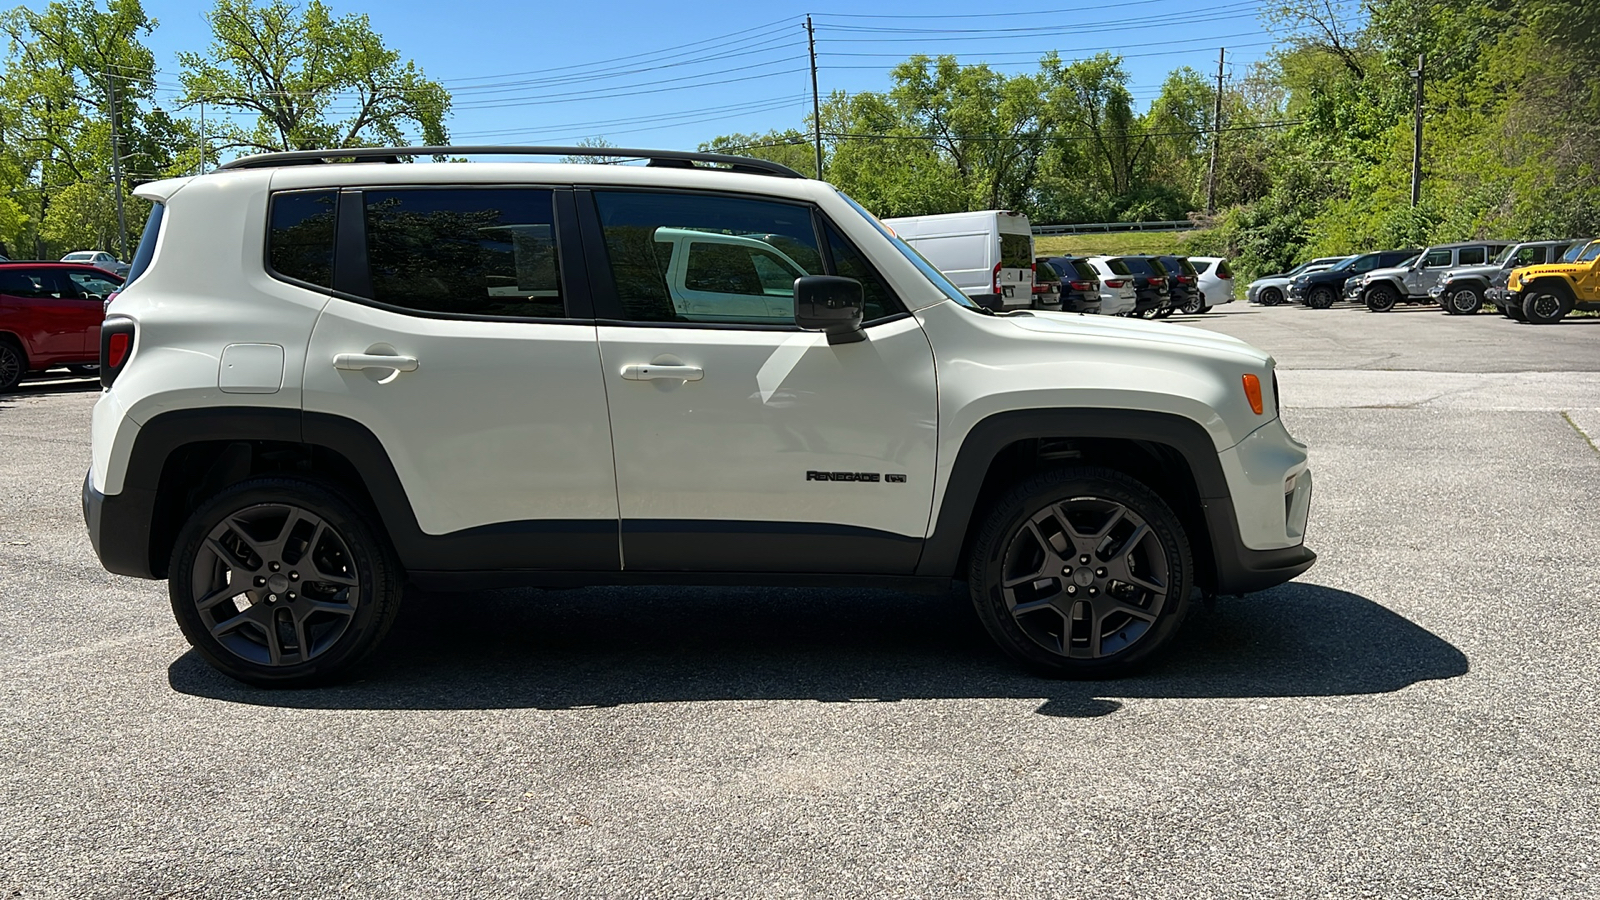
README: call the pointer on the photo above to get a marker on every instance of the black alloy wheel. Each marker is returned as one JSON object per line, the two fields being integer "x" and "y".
{"x": 1196, "y": 305}
{"x": 280, "y": 582}
{"x": 1381, "y": 298}
{"x": 1462, "y": 299}
{"x": 1081, "y": 572}
{"x": 1321, "y": 297}
{"x": 1545, "y": 305}
{"x": 1270, "y": 297}
{"x": 12, "y": 364}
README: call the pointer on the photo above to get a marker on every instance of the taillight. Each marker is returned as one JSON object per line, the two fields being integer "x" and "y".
{"x": 1114, "y": 282}
{"x": 997, "y": 278}
{"x": 1157, "y": 281}
{"x": 116, "y": 345}
{"x": 1082, "y": 286}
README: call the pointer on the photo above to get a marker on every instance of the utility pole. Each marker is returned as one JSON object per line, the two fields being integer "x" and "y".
{"x": 816, "y": 102}
{"x": 116, "y": 164}
{"x": 1216, "y": 138}
{"x": 1416, "y": 140}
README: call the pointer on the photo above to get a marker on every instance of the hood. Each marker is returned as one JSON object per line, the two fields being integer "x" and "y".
{"x": 1175, "y": 337}
{"x": 1527, "y": 272}
{"x": 1469, "y": 271}
{"x": 1388, "y": 272}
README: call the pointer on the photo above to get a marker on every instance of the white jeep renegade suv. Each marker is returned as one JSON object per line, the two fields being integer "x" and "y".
{"x": 328, "y": 379}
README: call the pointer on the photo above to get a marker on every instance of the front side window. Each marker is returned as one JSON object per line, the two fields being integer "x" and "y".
{"x": 464, "y": 251}
{"x": 300, "y": 238}
{"x": 1362, "y": 264}
{"x": 694, "y": 258}
{"x": 1473, "y": 256}
{"x": 1435, "y": 259}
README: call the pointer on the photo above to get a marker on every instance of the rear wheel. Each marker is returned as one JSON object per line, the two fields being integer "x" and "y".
{"x": 1321, "y": 297}
{"x": 282, "y": 583}
{"x": 1462, "y": 300}
{"x": 13, "y": 364}
{"x": 1546, "y": 304}
{"x": 1195, "y": 306}
{"x": 1081, "y": 572}
{"x": 1382, "y": 298}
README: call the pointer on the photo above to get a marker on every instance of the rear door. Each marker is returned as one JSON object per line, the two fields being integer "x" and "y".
{"x": 1015, "y": 272}
{"x": 91, "y": 288}
{"x": 753, "y": 446}
{"x": 44, "y": 315}
{"x": 492, "y": 412}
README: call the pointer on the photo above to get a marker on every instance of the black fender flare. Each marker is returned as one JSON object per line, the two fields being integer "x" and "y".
{"x": 1237, "y": 568}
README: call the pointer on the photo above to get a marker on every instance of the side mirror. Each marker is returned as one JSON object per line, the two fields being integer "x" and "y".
{"x": 829, "y": 304}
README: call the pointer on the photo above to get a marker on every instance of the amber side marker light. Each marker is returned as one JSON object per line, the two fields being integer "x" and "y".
{"x": 1252, "y": 392}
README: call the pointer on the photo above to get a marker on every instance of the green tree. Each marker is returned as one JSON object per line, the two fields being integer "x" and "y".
{"x": 310, "y": 80}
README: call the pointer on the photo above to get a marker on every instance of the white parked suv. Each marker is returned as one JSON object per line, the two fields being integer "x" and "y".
{"x": 326, "y": 380}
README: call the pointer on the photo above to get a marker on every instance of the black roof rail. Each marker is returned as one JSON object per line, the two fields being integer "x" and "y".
{"x": 664, "y": 158}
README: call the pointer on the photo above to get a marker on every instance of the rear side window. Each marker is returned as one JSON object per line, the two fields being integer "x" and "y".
{"x": 1472, "y": 256}
{"x": 1016, "y": 251}
{"x": 147, "y": 244}
{"x": 1203, "y": 266}
{"x": 1223, "y": 271}
{"x": 1044, "y": 273}
{"x": 300, "y": 240}
{"x": 1137, "y": 266}
{"x": 22, "y": 283}
{"x": 469, "y": 252}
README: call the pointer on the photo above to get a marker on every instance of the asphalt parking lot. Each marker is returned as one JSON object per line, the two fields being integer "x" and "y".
{"x": 1414, "y": 717}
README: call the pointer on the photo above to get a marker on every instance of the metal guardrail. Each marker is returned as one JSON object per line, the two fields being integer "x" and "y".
{"x": 1172, "y": 225}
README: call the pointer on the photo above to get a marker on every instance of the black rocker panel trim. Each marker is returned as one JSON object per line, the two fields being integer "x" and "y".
{"x": 491, "y": 579}
{"x": 1238, "y": 569}
{"x": 677, "y": 545}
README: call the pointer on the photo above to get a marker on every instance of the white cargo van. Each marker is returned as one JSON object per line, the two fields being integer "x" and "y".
{"x": 988, "y": 254}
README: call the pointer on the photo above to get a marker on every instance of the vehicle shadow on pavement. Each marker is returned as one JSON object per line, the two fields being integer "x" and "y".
{"x": 602, "y": 647}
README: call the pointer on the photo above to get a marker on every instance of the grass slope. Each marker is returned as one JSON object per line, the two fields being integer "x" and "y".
{"x": 1125, "y": 243}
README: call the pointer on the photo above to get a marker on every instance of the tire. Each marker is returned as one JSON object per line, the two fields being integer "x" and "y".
{"x": 263, "y": 539}
{"x": 1271, "y": 297}
{"x": 1204, "y": 310}
{"x": 1381, "y": 298}
{"x": 1100, "y": 619}
{"x": 13, "y": 364}
{"x": 1545, "y": 304}
{"x": 88, "y": 370}
{"x": 1148, "y": 313}
{"x": 1464, "y": 300}
{"x": 1512, "y": 309}
{"x": 1321, "y": 297}
{"x": 1195, "y": 306}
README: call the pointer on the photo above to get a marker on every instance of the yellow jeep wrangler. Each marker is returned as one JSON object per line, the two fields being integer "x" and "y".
{"x": 1547, "y": 293}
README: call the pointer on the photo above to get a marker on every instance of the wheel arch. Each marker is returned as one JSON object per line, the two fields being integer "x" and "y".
{"x": 1172, "y": 455}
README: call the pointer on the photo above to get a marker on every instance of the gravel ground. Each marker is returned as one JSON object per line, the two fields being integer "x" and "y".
{"x": 1414, "y": 717}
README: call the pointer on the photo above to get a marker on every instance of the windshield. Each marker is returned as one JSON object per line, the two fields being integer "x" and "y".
{"x": 1347, "y": 263}
{"x": 1406, "y": 263}
{"x": 1505, "y": 255}
{"x": 909, "y": 252}
{"x": 77, "y": 257}
{"x": 1300, "y": 268}
{"x": 1590, "y": 252}
{"x": 1572, "y": 254}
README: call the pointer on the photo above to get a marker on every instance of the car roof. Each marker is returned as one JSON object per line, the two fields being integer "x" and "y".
{"x": 52, "y": 264}
{"x": 1460, "y": 244}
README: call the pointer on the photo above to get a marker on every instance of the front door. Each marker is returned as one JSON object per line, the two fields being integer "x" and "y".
{"x": 492, "y": 412}
{"x": 753, "y": 446}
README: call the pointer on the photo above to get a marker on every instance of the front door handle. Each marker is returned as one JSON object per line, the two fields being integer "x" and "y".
{"x": 355, "y": 362}
{"x": 657, "y": 373}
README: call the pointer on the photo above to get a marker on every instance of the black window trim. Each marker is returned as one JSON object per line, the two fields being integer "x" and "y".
{"x": 608, "y": 305}
{"x": 351, "y": 275}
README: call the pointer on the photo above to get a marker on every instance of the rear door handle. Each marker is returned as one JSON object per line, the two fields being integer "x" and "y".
{"x": 355, "y": 362}
{"x": 657, "y": 373}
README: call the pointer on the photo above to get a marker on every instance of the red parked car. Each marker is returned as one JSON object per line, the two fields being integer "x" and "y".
{"x": 50, "y": 316}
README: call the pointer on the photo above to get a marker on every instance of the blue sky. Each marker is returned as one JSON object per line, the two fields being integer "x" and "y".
{"x": 671, "y": 75}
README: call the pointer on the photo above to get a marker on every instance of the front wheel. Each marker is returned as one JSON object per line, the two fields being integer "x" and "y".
{"x": 282, "y": 583}
{"x": 1381, "y": 298}
{"x": 1321, "y": 297}
{"x": 1271, "y": 297}
{"x": 1462, "y": 300}
{"x": 1081, "y": 572}
{"x": 1545, "y": 305}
